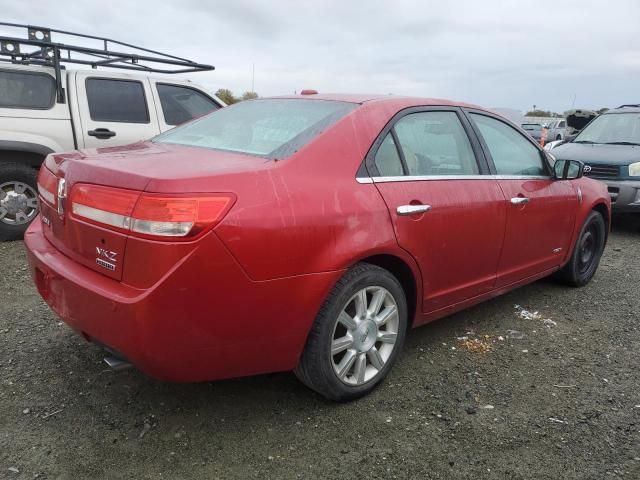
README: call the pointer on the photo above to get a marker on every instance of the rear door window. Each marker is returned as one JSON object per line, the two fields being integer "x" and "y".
{"x": 435, "y": 143}
{"x": 29, "y": 90}
{"x": 181, "y": 104}
{"x": 116, "y": 101}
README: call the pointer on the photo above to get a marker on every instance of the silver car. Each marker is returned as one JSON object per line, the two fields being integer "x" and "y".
{"x": 556, "y": 130}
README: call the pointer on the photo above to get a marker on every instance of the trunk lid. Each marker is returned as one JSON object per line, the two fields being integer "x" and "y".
{"x": 578, "y": 119}
{"x": 158, "y": 168}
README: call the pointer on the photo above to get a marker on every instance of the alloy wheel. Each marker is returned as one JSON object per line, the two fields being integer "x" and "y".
{"x": 364, "y": 336}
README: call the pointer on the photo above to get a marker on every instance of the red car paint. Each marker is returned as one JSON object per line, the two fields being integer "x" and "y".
{"x": 240, "y": 299}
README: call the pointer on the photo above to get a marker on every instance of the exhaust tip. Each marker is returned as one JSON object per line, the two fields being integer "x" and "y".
{"x": 116, "y": 363}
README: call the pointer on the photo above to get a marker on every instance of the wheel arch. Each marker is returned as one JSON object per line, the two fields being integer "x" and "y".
{"x": 602, "y": 209}
{"x": 408, "y": 277}
{"x": 31, "y": 154}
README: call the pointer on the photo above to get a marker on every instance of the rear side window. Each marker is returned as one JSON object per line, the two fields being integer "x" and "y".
{"x": 512, "y": 153}
{"x": 116, "y": 101}
{"x": 387, "y": 159}
{"x": 435, "y": 143}
{"x": 273, "y": 128}
{"x": 26, "y": 90}
{"x": 181, "y": 104}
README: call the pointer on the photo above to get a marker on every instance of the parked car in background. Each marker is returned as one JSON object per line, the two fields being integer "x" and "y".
{"x": 44, "y": 109}
{"x": 609, "y": 146}
{"x": 326, "y": 226}
{"x": 556, "y": 130}
{"x": 576, "y": 120}
{"x": 535, "y": 130}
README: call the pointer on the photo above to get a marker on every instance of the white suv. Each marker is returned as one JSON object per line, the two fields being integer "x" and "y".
{"x": 46, "y": 108}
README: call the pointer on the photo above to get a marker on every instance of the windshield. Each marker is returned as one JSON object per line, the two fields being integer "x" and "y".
{"x": 268, "y": 128}
{"x": 612, "y": 128}
{"x": 534, "y": 127}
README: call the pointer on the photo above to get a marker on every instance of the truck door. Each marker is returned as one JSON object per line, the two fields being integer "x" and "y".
{"x": 114, "y": 109}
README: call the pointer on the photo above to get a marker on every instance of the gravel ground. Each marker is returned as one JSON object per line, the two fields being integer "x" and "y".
{"x": 547, "y": 396}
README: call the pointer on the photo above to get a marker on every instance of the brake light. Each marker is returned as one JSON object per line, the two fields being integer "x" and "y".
{"x": 149, "y": 215}
{"x": 105, "y": 205}
{"x": 177, "y": 216}
{"x": 47, "y": 186}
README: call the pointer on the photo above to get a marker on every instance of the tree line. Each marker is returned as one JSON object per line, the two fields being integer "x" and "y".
{"x": 548, "y": 113}
{"x": 229, "y": 98}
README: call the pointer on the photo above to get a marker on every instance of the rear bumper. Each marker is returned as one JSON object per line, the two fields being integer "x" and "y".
{"x": 204, "y": 320}
{"x": 625, "y": 195}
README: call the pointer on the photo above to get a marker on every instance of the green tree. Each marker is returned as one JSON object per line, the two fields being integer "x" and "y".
{"x": 249, "y": 96}
{"x": 542, "y": 113}
{"x": 227, "y": 96}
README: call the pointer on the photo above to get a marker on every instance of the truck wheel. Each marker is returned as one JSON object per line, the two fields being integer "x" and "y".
{"x": 18, "y": 199}
{"x": 356, "y": 336}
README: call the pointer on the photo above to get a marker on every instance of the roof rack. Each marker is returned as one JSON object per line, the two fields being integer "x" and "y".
{"x": 39, "y": 49}
{"x": 630, "y": 105}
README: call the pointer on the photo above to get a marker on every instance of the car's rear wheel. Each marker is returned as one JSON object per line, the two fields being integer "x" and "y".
{"x": 356, "y": 336}
{"x": 587, "y": 252}
{"x": 18, "y": 200}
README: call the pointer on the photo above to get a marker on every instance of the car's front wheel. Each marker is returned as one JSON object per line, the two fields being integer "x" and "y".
{"x": 586, "y": 253}
{"x": 356, "y": 336}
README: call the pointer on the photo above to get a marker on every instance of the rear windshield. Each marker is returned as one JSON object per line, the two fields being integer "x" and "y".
{"x": 268, "y": 128}
{"x": 29, "y": 90}
{"x": 531, "y": 126}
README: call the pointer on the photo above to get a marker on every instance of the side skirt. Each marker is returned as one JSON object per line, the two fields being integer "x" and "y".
{"x": 456, "y": 307}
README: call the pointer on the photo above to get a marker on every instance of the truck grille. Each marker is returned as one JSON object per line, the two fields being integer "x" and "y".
{"x": 601, "y": 170}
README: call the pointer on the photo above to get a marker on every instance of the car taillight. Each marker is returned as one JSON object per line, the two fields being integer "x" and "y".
{"x": 47, "y": 186}
{"x": 149, "y": 215}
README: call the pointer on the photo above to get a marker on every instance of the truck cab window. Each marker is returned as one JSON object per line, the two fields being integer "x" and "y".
{"x": 181, "y": 104}
{"x": 113, "y": 100}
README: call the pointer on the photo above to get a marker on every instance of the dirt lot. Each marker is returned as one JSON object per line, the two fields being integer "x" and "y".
{"x": 553, "y": 395}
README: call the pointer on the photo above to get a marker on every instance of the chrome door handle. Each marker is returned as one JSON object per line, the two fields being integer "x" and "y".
{"x": 412, "y": 209}
{"x": 519, "y": 200}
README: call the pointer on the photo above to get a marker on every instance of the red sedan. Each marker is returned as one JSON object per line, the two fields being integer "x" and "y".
{"x": 305, "y": 233}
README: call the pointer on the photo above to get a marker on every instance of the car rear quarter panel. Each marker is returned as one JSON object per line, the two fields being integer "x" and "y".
{"x": 309, "y": 214}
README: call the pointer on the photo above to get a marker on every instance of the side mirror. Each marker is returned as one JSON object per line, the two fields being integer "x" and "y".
{"x": 568, "y": 169}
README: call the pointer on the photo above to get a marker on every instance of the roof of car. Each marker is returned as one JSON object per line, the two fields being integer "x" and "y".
{"x": 624, "y": 109}
{"x": 381, "y": 98}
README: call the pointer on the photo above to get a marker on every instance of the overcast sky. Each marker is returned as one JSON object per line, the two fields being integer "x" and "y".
{"x": 494, "y": 53}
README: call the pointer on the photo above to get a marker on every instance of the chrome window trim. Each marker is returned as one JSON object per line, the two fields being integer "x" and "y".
{"x": 364, "y": 179}
{"x": 419, "y": 178}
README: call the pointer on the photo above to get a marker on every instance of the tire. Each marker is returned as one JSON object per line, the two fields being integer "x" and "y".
{"x": 558, "y": 137}
{"x": 586, "y": 253}
{"x": 367, "y": 343}
{"x": 18, "y": 199}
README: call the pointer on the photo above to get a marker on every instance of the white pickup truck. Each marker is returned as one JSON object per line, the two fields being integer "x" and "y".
{"x": 46, "y": 108}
